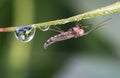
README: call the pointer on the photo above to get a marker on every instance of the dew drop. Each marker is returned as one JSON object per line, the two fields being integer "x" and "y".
{"x": 44, "y": 28}
{"x": 25, "y": 33}
{"x": 66, "y": 22}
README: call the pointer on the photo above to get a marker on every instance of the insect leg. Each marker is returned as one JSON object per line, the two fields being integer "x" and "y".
{"x": 57, "y": 30}
{"x": 81, "y": 26}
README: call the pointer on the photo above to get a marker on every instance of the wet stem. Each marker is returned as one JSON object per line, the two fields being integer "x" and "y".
{"x": 113, "y": 8}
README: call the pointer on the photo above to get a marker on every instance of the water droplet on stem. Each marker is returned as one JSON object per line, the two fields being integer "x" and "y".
{"x": 44, "y": 28}
{"x": 25, "y": 33}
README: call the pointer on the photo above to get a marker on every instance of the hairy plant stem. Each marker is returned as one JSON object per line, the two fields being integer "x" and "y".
{"x": 113, "y": 8}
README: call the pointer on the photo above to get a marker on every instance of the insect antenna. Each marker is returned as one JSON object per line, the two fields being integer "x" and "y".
{"x": 98, "y": 26}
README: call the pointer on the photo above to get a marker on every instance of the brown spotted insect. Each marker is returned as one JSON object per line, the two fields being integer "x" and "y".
{"x": 74, "y": 32}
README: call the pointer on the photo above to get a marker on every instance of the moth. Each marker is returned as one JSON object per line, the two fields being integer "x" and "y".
{"x": 73, "y": 32}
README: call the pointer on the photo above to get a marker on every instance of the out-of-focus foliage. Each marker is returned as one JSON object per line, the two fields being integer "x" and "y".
{"x": 31, "y": 60}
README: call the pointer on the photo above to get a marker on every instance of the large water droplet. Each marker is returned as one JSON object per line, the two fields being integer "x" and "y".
{"x": 44, "y": 28}
{"x": 25, "y": 33}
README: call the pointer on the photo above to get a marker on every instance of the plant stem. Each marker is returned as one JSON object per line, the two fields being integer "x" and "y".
{"x": 113, "y": 8}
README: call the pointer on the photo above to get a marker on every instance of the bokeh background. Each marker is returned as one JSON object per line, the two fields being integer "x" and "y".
{"x": 96, "y": 55}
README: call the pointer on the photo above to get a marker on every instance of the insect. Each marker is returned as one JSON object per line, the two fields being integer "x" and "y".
{"x": 74, "y": 32}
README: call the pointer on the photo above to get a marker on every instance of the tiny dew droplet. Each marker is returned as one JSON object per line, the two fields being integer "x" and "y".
{"x": 44, "y": 28}
{"x": 25, "y": 33}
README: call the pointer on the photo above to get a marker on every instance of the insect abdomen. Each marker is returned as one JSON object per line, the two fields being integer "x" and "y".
{"x": 59, "y": 37}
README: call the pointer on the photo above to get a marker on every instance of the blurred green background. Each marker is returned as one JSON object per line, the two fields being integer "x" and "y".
{"x": 93, "y": 56}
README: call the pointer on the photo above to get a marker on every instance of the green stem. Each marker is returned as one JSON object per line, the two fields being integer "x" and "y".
{"x": 98, "y": 12}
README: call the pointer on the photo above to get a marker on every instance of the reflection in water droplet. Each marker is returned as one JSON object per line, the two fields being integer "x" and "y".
{"x": 25, "y": 33}
{"x": 44, "y": 28}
